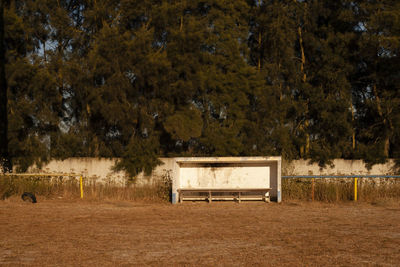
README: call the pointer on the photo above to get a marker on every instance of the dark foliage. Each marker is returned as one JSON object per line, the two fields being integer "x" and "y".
{"x": 143, "y": 79}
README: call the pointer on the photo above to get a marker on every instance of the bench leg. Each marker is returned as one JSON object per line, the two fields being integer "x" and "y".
{"x": 266, "y": 198}
{"x": 209, "y": 197}
{"x": 239, "y": 200}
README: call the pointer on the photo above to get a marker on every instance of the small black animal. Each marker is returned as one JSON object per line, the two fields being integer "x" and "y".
{"x": 28, "y": 196}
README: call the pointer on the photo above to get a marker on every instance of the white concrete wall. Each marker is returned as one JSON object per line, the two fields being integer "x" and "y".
{"x": 101, "y": 169}
{"x": 340, "y": 167}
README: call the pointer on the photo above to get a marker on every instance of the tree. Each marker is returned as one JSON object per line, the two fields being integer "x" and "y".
{"x": 324, "y": 43}
{"x": 227, "y": 80}
{"x": 141, "y": 79}
{"x": 376, "y": 82}
{"x": 5, "y": 162}
{"x": 34, "y": 102}
{"x": 273, "y": 51}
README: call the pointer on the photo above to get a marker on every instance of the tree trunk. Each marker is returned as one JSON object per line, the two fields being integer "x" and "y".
{"x": 303, "y": 57}
{"x": 259, "y": 51}
{"x": 259, "y": 42}
{"x": 386, "y": 147}
{"x": 386, "y": 123}
{"x": 304, "y": 150}
{"x": 353, "y": 128}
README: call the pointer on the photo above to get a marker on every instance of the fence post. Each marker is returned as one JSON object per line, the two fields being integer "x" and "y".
{"x": 355, "y": 188}
{"x": 81, "y": 186}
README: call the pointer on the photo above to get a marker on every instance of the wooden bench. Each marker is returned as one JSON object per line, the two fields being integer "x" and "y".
{"x": 227, "y": 194}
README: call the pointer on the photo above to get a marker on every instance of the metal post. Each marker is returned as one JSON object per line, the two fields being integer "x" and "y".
{"x": 81, "y": 186}
{"x": 355, "y": 189}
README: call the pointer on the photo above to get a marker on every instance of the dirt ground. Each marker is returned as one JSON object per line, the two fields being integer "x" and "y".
{"x": 84, "y": 233}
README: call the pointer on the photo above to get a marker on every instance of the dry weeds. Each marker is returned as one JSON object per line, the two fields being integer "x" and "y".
{"x": 342, "y": 189}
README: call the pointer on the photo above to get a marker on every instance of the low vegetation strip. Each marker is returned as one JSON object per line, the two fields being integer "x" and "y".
{"x": 341, "y": 189}
{"x": 326, "y": 190}
{"x": 68, "y": 187}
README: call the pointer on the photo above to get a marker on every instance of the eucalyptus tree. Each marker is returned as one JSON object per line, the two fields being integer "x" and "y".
{"x": 327, "y": 32}
{"x": 228, "y": 81}
{"x": 273, "y": 42}
{"x": 376, "y": 83}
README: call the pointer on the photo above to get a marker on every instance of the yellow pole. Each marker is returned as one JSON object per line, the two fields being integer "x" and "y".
{"x": 355, "y": 189}
{"x": 81, "y": 186}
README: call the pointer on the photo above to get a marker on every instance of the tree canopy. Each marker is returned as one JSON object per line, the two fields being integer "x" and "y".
{"x": 312, "y": 79}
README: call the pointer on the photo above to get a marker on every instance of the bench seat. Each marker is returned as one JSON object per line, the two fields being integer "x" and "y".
{"x": 211, "y": 194}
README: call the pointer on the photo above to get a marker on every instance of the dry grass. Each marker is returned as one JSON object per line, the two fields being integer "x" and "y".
{"x": 340, "y": 189}
{"x": 126, "y": 233}
{"x": 69, "y": 188}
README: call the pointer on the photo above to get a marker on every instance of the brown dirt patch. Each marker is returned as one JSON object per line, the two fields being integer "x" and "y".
{"x": 61, "y": 232}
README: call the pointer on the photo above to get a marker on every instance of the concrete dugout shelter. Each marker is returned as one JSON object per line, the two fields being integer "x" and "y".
{"x": 226, "y": 174}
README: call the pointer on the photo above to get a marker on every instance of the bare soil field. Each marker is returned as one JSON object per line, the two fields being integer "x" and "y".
{"x": 85, "y": 233}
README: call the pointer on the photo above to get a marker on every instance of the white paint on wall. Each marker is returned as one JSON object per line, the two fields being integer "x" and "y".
{"x": 224, "y": 177}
